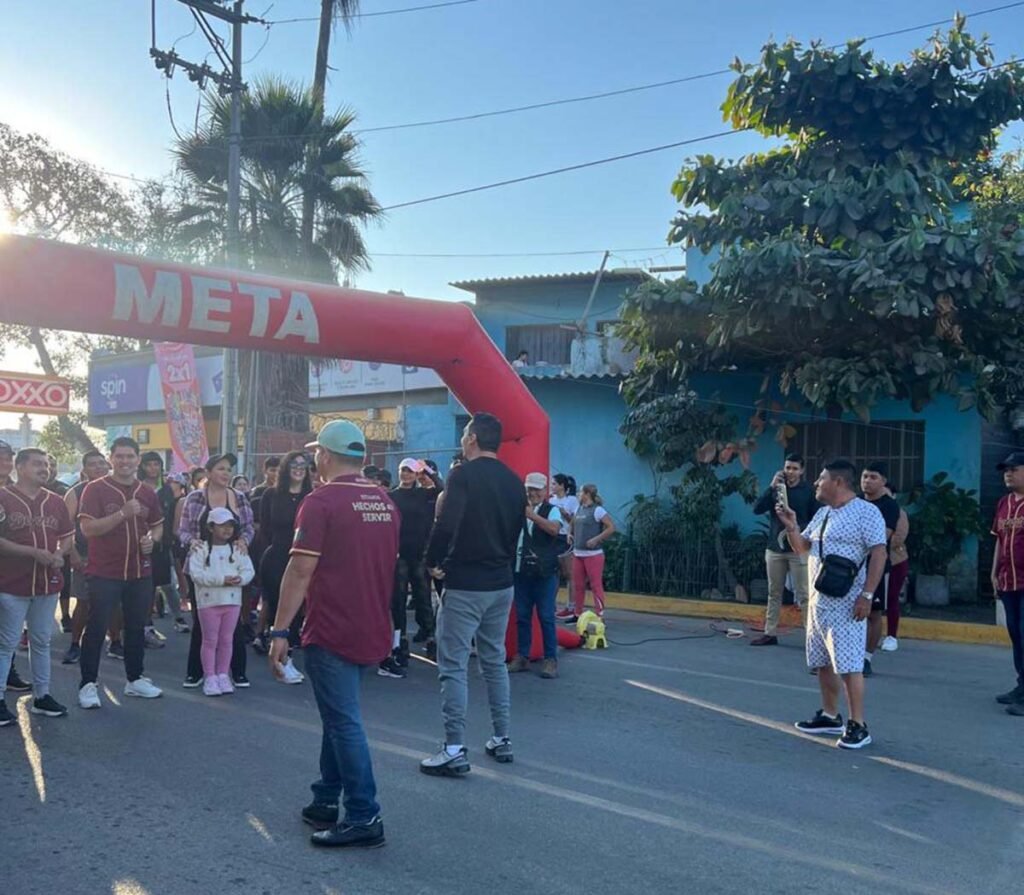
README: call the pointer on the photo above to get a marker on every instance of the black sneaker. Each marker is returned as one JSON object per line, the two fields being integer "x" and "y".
{"x": 868, "y": 672}
{"x": 421, "y": 636}
{"x": 402, "y": 653}
{"x": 320, "y": 816}
{"x": 1015, "y": 695}
{"x": 72, "y": 656}
{"x": 369, "y": 835}
{"x": 855, "y": 736}
{"x": 116, "y": 650}
{"x": 48, "y": 706}
{"x": 241, "y": 681}
{"x": 15, "y": 684}
{"x": 499, "y": 749}
{"x": 430, "y": 649}
{"x": 390, "y": 668}
{"x": 6, "y": 717}
{"x": 822, "y": 724}
{"x": 192, "y": 681}
{"x": 765, "y": 640}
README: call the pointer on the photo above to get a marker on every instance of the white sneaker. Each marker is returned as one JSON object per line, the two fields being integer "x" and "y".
{"x": 142, "y": 687}
{"x": 890, "y": 645}
{"x": 89, "y": 697}
{"x": 291, "y": 674}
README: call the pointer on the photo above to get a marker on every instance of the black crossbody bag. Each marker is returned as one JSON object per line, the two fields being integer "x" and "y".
{"x": 837, "y": 573}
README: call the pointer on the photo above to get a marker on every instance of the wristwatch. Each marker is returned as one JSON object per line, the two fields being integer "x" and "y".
{"x": 866, "y": 595}
{"x": 283, "y": 633}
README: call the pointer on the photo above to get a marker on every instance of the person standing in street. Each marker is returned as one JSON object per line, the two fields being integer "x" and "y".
{"x": 35, "y": 536}
{"x": 94, "y": 466}
{"x": 536, "y": 577}
{"x": 1008, "y": 570}
{"x": 592, "y": 525}
{"x": 15, "y": 683}
{"x": 845, "y": 545}
{"x": 343, "y": 566}
{"x": 779, "y": 558}
{"x": 473, "y": 548}
{"x": 120, "y": 518}
{"x": 874, "y": 485}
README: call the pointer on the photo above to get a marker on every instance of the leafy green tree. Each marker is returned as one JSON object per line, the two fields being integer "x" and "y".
{"x": 847, "y": 270}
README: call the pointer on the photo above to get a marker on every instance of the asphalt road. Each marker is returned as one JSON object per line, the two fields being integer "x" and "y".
{"x": 666, "y": 766}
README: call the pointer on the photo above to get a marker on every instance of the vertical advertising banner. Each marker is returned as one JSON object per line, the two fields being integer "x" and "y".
{"x": 182, "y": 402}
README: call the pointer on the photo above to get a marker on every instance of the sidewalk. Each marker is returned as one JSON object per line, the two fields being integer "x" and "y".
{"x": 911, "y": 628}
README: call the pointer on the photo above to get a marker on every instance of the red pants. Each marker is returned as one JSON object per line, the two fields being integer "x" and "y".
{"x": 584, "y": 569}
{"x": 897, "y": 575}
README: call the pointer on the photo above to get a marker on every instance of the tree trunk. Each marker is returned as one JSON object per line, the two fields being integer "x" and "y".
{"x": 69, "y": 429}
{"x": 323, "y": 46}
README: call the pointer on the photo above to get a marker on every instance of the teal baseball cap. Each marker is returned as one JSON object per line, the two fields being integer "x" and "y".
{"x": 341, "y": 437}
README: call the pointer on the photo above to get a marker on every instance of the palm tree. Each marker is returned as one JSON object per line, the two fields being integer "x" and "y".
{"x": 331, "y": 12}
{"x": 290, "y": 150}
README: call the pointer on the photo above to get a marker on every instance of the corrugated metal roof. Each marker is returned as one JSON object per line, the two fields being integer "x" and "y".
{"x": 554, "y": 371}
{"x": 618, "y": 275}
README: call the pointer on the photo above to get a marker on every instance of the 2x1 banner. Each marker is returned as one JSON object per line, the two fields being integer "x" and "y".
{"x": 180, "y": 386}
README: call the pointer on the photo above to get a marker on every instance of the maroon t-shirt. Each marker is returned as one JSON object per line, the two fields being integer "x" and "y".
{"x": 40, "y": 522}
{"x": 352, "y": 526}
{"x": 1008, "y": 527}
{"x": 117, "y": 554}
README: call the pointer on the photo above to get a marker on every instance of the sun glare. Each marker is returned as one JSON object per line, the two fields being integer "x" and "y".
{"x": 6, "y": 221}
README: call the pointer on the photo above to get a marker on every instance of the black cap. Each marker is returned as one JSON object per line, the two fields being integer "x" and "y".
{"x": 5, "y": 448}
{"x": 216, "y": 458}
{"x": 1012, "y": 460}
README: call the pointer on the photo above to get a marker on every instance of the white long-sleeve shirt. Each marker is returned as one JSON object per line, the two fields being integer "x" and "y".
{"x": 209, "y": 578}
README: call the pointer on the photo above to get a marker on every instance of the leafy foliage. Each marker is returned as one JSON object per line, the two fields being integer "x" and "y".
{"x": 942, "y": 516}
{"x": 847, "y": 271}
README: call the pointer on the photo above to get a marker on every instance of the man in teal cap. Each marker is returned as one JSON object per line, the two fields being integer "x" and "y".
{"x": 343, "y": 565}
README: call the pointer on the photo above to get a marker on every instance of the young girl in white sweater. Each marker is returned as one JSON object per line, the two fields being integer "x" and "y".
{"x": 219, "y": 572}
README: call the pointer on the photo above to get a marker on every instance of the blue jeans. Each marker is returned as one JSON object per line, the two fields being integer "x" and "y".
{"x": 539, "y": 592}
{"x": 345, "y": 765}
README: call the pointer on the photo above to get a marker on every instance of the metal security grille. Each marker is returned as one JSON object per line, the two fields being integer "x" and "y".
{"x": 548, "y": 344}
{"x": 900, "y": 444}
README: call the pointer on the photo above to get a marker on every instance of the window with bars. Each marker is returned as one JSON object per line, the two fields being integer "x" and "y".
{"x": 899, "y": 444}
{"x": 546, "y": 344}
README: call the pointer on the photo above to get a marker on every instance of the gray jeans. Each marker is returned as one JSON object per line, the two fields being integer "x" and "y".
{"x": 466, "y": 614}
{"x": 38, "y": 612}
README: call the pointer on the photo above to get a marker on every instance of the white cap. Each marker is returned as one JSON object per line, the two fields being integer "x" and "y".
{"x": 537, "y": 480}
{"x": 220, "y": 515}
{"x": 411, "y": 463}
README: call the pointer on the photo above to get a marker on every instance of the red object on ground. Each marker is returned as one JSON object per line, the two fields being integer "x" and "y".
{"x": 58, "y": 286}
{"x": 567, "y": 637}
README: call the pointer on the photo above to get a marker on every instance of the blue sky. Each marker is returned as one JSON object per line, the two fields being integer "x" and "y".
{"x": 96, "y": 94}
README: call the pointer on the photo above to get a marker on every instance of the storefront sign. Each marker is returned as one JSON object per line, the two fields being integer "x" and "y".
{"x": 28, "y": 393}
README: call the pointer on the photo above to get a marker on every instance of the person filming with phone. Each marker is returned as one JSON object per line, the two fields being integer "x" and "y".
{"x": 788, "y": 487}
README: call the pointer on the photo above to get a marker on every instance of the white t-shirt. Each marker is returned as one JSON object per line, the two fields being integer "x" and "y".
{"x": 570, "y": 504}
{"x": 209, "y": 579}
{"x": 852, "y": 531}
{"x": 583, "y": 552}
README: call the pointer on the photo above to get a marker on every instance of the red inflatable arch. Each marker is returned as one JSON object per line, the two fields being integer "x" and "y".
{"x": 58, "y": 286}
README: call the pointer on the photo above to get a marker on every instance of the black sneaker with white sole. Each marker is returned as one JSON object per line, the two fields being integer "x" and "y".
{"x": 6, "y": 718}
{"x": 444, "y": 764}
{"x": 191, "y": 682}
{"x": 15, "y": 683}
{"x": 822, "y": 724}
{"x": 48, "y": 706}
{"x": 390, "y": 668}
{"x": 241, "y": 681}
{"x": 855, "y": 736}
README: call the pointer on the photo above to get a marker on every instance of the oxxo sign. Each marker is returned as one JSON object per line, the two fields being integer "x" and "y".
{"x": 27, "y": 393}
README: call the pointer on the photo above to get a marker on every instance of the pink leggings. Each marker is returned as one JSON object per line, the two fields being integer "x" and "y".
{"x": 218, "y": 624}
{"x": 584, "y": 569}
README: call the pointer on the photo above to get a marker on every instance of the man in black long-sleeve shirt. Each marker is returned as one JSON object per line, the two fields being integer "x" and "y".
{"x": 416, "y": 504}
{"x": 779, "y": 557}
{"x": 473, "y": 547}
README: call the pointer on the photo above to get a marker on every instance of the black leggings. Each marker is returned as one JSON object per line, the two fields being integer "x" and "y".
{"x": 272, "y": 567}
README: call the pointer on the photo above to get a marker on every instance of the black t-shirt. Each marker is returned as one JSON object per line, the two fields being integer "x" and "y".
{"x": 890, "y": 510}
{"x": 417, "y": 508}
{"x": 476, "y": 536}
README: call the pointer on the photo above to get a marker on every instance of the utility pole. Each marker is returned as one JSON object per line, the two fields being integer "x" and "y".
{"x": 229, "y": 82}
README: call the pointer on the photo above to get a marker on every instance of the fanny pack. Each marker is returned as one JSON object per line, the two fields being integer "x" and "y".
{"x": 836, "y": 574}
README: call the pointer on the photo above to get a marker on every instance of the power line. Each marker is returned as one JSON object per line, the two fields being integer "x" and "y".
{"x": 383, "y": 12}
{"x": 508, "y": 254}
{"x": 564, "y": 170}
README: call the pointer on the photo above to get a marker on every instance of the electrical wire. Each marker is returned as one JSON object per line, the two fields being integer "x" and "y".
{"x": 383, "y": 12}
{"x": 564, "y": 170}
{"x": 509, "y": 254}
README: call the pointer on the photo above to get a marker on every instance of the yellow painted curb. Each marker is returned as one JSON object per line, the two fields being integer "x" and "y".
{"x": 911, "y": 628}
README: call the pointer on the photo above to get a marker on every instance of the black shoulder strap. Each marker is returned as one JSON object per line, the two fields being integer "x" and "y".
{"x": 821, "y": 538}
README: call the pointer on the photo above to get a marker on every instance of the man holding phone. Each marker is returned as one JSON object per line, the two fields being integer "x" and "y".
{"x": 788, "y": 488}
